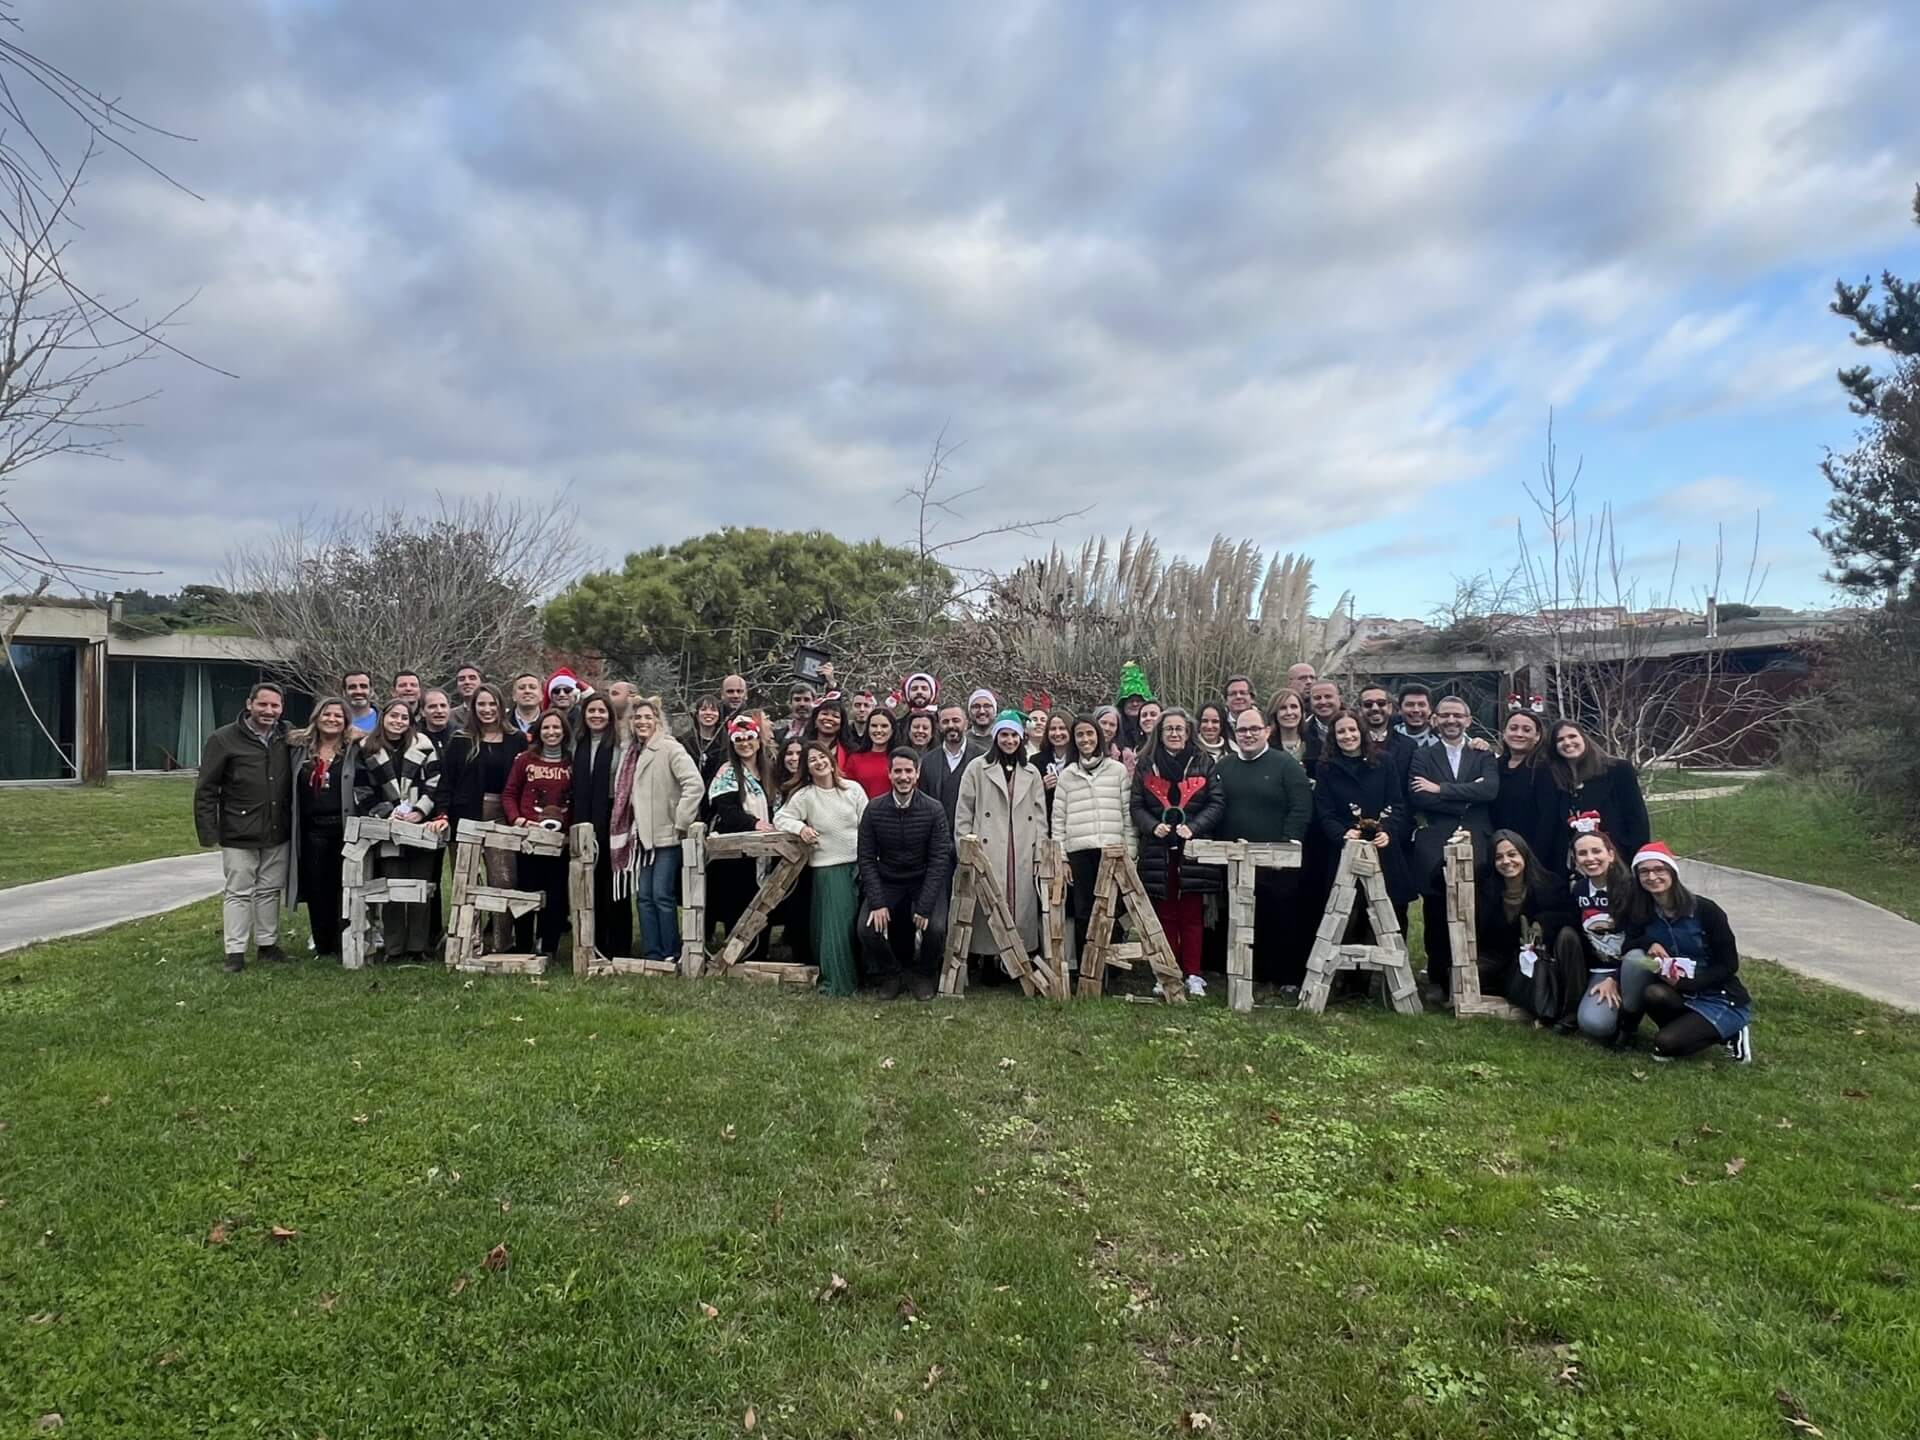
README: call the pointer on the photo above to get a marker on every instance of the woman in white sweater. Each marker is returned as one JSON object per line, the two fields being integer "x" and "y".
{"x": 825, "y": 812}
{"x": 1089, "y": 813}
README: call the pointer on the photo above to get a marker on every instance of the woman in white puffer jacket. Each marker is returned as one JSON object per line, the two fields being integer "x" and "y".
{"x": 1089, "y": 813}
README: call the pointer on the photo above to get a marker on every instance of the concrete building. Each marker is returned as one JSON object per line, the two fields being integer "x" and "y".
{"x": 83, "y": 698}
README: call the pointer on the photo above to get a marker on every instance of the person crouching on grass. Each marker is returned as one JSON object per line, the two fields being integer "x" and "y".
{"x": 1683, "y": 948}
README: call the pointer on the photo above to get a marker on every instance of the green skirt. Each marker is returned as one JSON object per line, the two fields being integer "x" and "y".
{"x": 835, "y": 906}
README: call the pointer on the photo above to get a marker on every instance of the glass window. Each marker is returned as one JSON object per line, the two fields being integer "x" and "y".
{"x": 166, "y": 716}
{"x": 120, "y": 683}
{"x": 50, "y": 675}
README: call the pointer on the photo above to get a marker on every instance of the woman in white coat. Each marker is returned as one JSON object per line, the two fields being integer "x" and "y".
{"x": 1003, "y": 801}
{"x": 656, "y": 797}
{"x": 1089, "y": 814}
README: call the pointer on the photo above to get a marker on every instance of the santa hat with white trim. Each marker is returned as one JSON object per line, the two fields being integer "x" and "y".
{"x": 1655, "y": 852}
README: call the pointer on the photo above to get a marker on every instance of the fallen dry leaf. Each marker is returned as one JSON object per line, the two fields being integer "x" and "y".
{"x": 709, "y": 1311}
{"x": 1708, "y": 1130}
{"x": 328, "y": 1301}
{"x": 625, "y": 1200}
{"x": 777, "y": 1213}
{"x": 457, "y": 1286}
{"x": 45, "y": 1317}
{"x": 360, "y": 1119}
{"x": 52, "y": 1420}
{"x": 1795, "y": 1413}
{"x": 1853, "y": 1094}
{"x": 218, "y": 1234}
{"x": 887, "y": 1064}
{"x": 836, "y": 1287}
{"x": 899, "y": 1416}
{"x": 281, "y": 1234}
{"x": 1736, "y": 1165}
{"x": 505, "y": 1206}
{"x": 1192, "y": 1420}
{"x": 1783, "y": 1123}
{"x": 1007, "y": 1062}
{"x": 1687, "y": 1180}
{"x": 1638, "y": 1074}
{"x": 907, "y": 1310}
{"x": 497, "y": 1258}
{"x": 932, "y": 1375}
{"x": 749, "y": 1420}
{"x": 727, "y": 1133}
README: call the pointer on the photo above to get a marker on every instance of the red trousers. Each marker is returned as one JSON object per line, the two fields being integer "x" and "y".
{"x": 1183, "y": 917}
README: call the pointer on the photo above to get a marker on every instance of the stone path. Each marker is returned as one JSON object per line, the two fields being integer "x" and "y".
{"x": 1709, "y": 792}
{"x": 81, "y": 904}
{"x": 1824, "y": 933}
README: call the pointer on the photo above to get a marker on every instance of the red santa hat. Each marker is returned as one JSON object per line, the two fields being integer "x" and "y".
{"x": 562, "y": 677}
{"x": 1655, "y": 852}
{"x": 1586, "y": 822}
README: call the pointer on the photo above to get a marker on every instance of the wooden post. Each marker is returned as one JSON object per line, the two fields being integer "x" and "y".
{"x": 693, "y": 901}
{"x": 1052, "y": 874}
{"x": 977, "y": 895}
{"x": 583, "y": 857}
{"x": 1359, "y": 874}
{"x": 1463, "y": 934}
{"x": 1244, "y": 860}
{"x": 1117, "y": 887}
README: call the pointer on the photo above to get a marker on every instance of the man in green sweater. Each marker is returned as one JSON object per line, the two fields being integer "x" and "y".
{"x": 1269, "y": 798}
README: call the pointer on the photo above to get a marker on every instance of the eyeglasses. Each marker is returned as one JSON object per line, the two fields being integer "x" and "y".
{"x": 1249, "y": 732}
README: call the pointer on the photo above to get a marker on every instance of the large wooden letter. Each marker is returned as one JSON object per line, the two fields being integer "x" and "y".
{"x": 1359, "y": 873}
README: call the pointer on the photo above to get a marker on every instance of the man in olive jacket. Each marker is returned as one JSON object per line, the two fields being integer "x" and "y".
{"x": 242, "y": 803}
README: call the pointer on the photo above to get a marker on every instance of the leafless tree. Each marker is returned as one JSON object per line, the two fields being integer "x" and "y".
{"x": 1660, "y": 687}
{"x": 386, "y": 590}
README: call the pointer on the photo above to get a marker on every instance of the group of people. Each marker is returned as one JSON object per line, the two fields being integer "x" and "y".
{"x": 1582, "y": 917}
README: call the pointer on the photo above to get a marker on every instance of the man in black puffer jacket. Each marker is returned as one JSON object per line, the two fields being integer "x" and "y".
{"x": 243, "y": 802}
{"x": 905, "y": 863}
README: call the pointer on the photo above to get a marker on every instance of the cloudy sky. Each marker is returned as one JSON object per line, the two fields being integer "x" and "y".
{"x": 1312, "y": 274}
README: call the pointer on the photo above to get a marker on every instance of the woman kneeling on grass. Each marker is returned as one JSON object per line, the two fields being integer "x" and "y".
{"x": 1521, "y": 910}
{"x": 1584, "y": 985}
{"x": 825, "y": 813}
{"x": 1682, "y": 946}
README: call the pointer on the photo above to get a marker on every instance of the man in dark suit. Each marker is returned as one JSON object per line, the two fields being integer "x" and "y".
{"x": 1451, "y": 787}
{"x": 943, "y": 765}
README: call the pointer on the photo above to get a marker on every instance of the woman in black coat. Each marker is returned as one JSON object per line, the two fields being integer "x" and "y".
{"x": 595, "y": 764}
{"x": 1520, "y": 910}
{"x": 1357, "y": 793}
{"x": 1177, "y": 798}
{"x": 1589, "y": 782}
{"x": 1528, "y": 802}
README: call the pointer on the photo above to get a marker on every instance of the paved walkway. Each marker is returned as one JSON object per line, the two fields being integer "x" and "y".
{"x": 1709, "y": 792}
{"x": 81, "y": 904}
{"x": 1824, "y": 933}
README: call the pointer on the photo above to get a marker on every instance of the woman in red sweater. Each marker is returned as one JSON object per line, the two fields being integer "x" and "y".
{"x": 866, "y": 765}
{"x": 540, "y": 792}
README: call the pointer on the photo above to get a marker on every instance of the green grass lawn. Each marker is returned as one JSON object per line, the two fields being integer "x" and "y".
{"x": 1088, "y": 1221}
{"x": 65, "y": 829}
{"x": 1802, "y": 829}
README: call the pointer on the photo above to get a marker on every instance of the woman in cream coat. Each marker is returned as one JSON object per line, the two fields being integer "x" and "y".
{"x": 1003, "y": 801}
{"x": 656, "y": 796}
{"x": 1089, "y": 813}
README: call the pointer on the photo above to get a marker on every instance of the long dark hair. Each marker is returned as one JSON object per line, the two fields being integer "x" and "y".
{"x": 813, "y": 748}
{"x": 1642, "y": 906}
{"x": 502, "y": 709}
{"x": 1330, "y": 749}
{"x": 896, "y": 731}
{"x": 1226, "y": 735}
{"x": 1618, "y": 881}
{"x": 1535, "y": 875}
{"x": 791, "y": 783}
{"x": 1591, "y": 766}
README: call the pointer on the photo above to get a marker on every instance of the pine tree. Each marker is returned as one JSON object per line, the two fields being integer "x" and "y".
{"x": 1874, "y": 539}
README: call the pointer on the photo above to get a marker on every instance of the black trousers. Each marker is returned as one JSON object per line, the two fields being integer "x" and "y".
{"x": 612, "y": 918}
{"x": 1278, "y": 956}
{"x": 892, "y": 953}
{"x": 404, "y": 928}
{"x": 548, "y": 875}
{"x": 731, "y": 886}
{"x": 320, "y": 886}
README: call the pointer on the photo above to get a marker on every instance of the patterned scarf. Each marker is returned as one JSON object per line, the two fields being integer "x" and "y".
{"x": 625, "y": 854}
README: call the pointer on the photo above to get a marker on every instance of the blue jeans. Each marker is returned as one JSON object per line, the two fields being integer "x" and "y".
{"x": 656, "y": 893}
{"x": 1599, "y": 1021}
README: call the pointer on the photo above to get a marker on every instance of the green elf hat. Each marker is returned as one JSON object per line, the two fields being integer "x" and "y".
{"x": 1133, "y": 682}
{"x": 1008, "y": 720}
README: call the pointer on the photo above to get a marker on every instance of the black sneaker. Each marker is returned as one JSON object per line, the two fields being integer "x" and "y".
{"x": 889, "y": 988}
{"x": 924, "y": 988}
{"x": 270, "y": 955}
{"x": 234, "y": 964}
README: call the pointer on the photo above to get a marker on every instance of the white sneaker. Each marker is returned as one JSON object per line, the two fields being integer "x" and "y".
{"x": 1740, "y": 1047}
{"x": 1159, "y": 989}
{"x": 1195, "y": 985}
